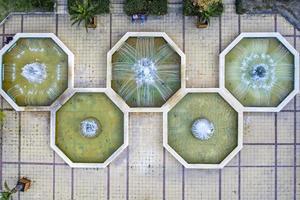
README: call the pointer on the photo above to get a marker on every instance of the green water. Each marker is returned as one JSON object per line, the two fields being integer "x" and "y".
{"x": 89, "y": 150}
{"x": 212, "y": 107}
{"x": 35, "y": 50}
{"x": 279, "y": 76}
{"x": 166, "y": 79}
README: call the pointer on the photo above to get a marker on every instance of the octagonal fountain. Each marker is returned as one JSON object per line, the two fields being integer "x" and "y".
{"x": 203, "y": 129}
{"x": 261, "y": 70}
{"x": 145, "y": 69}
{"x": 35, "y": 70}
{"x": 89, "y": 129}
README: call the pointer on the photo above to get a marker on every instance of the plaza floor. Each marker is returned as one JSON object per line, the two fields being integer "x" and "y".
{"x": 268, "y": 167}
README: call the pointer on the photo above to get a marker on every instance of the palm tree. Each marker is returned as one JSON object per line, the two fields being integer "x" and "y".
{"x": 83, "y": 11}
{"x": 22, "y": 185}
{"x": 6, "y": 195}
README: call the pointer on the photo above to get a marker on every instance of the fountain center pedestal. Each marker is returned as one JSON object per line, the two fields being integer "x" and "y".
{"x": 90, "y": 127}
{"x": 145, "y": 71}
{"x": 35, "y": 72}
{"x": 203, "y": 129}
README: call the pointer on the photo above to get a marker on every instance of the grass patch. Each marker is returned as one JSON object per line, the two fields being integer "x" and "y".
{"x": 148, "y": 7}
{"x": 7, "y": 6}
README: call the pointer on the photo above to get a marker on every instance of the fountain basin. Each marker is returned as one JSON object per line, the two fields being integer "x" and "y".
{"x": 261, "y": 71}
{"x": 203, "y": 129}
{"x": 36, "y": 70}
{"x": 145, "y": 69}
{"x": 90, "y": 128}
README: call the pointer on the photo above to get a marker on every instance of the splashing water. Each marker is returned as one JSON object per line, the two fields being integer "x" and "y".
{"x": 35, "y": 71}
{"x": 89, "y": 127}
{"x": 203, "y": 129}
{"x": 259, "y": 72}
{"x": 146, "y": 71}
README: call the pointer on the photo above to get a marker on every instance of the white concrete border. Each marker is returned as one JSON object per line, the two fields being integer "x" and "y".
{"x": 146, "y": 34}
{"x": 70, "y": 69}
{"x": 261, "y": 35}
{"x": 113, "y": 97}
{"x": 231, "y": 102}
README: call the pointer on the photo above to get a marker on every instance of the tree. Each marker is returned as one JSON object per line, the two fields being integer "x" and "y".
{"x": 83, "y": 11}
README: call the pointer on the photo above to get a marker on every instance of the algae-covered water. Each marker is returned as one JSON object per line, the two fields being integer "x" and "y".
{"x": 146, "y": 71}
{"x": 84, "y": 106}
{"x": 210, "y": 106}
{"x": 259, "y": 72}
{"x": 35, "y": 71}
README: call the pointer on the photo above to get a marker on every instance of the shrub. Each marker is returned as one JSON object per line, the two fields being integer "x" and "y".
{"x": 189, "y": 9}
{"x": 149, "y": 7}
{"x": 43, "y": 5}
{"x": 7, "y": 6}
{"x": 83, "y": 11}
{"x": 102, "y": 6}
{"x": 132, "y": 7}
{"x": 158, "y": 7}
{"x": 213, "y": 9}
{"x": 239, "y": 7}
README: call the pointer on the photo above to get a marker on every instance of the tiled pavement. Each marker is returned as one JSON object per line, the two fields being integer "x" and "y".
{"x": 266, "y": 168}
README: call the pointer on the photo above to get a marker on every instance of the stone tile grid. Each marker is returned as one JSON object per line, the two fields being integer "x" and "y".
{"x": 63, "y": 182}
{"x": 229, "y": 25}
{"x": 266, "y": 155}
{"x": 42, "y": 185}
{"x": 90, "y": 184}
{"x": 259, "y": 128}
{"x": 172, "y": 24}
{"x": 257, "y": 23}
{"x": 230, "y": 183}
{"x": 173, "y": 178}
{"x": 201, "y": 49}
{"x": 285, "y": 155}
{"x": 297, "y": 127}
{"x": 10, "y": 174}
{"x": 89, "y": 50}
{"x": 13, "y": 25}
{"x": 250, "y": 176}
{"x": 283, "y": 26}
{"x": 285, "y": 127}
{"x": 118, "y": 177}
{"x": 10, "y": 136}
{"x": 285, "y": 183}
{"x": 35, "y": 138}
{"x": 257, "y": 183}
{"x": 201, "y": 184}
{"x": 39, "y": 23}
{"x": 145, "y": 156}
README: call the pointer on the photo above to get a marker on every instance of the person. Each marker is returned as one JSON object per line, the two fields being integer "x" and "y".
{"x": 134, "y": 18}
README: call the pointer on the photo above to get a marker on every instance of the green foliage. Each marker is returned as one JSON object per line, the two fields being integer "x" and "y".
{"x": 132, "y": 7}
{"x": 189, "y": 9}
{"x": 158, "y": 7}
{"x": 102, "y": 6}
{"x": 7, "y": 6}
{"x": 83, "y": 11}
{"x": 239, "y": 7}
{"x": 2, "y": 117}
{"x": 213, "y": 10}
{"x": 6, "y": 195}
{"x": 149, "y": 7}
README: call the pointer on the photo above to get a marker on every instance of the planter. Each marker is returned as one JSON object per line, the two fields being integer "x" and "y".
{"x": 202, "y": 23}
{"x": 93, "y": 23}
{"x": 23, "y": 184}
